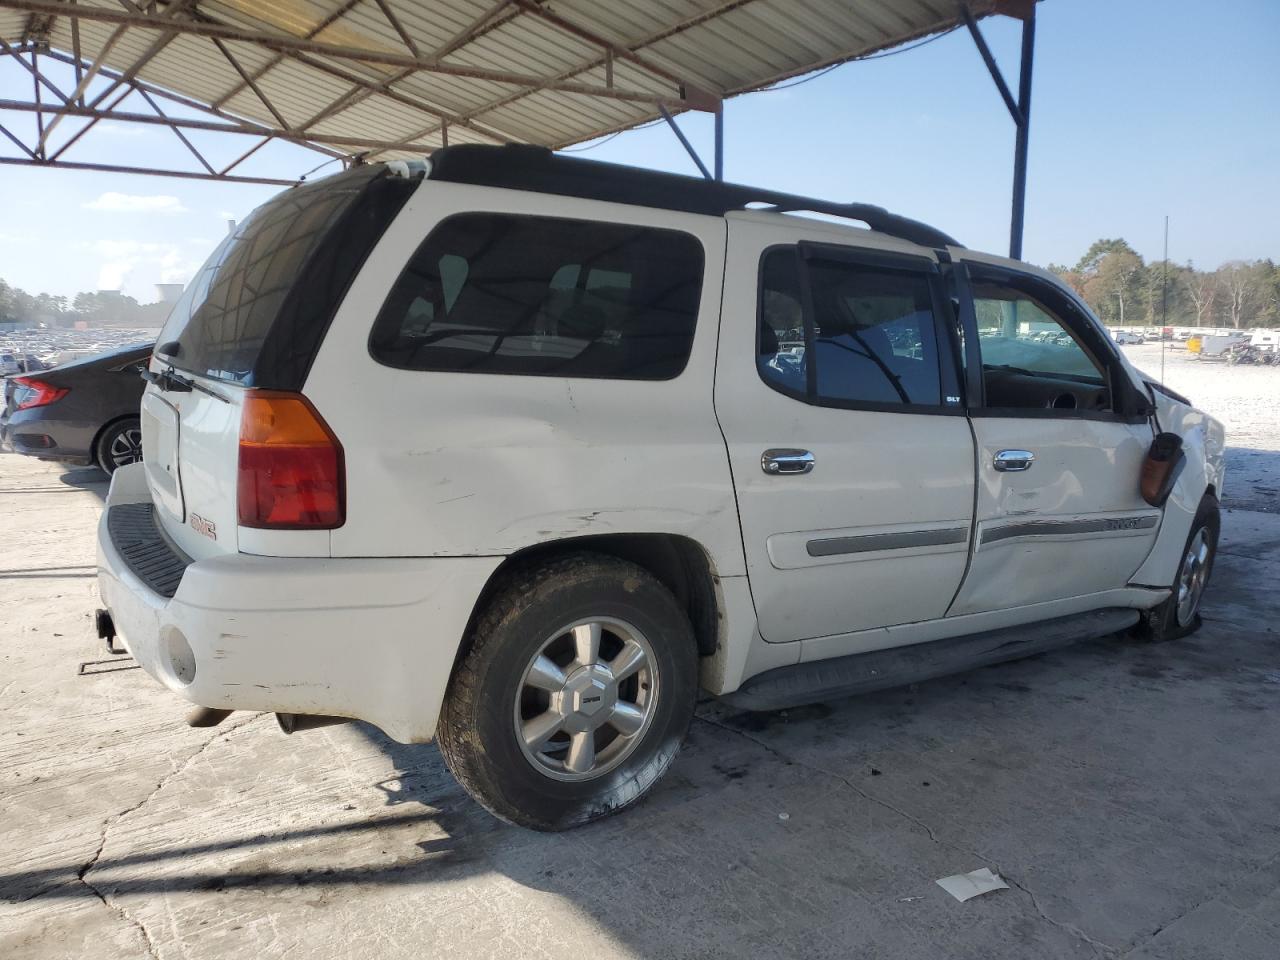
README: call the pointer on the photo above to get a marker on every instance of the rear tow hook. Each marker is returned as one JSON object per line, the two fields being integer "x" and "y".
{"x": 107, "y": 631}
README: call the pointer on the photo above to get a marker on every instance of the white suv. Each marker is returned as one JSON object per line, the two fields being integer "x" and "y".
{"x": 517, "y": 451}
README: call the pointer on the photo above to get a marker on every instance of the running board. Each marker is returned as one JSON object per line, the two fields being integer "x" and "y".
{"x": 821, "y": 680}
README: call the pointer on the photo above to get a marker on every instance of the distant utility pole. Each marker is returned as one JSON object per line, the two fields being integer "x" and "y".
{"x": 1164, "y": 298}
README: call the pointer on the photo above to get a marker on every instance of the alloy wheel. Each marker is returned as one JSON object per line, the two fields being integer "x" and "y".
{"x": 586, "y": 699}
{"x": 1192, "y": 576}
{"x": 126, "y": 448}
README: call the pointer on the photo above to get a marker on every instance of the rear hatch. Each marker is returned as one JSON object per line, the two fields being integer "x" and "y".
{"x": 252, "y": 320}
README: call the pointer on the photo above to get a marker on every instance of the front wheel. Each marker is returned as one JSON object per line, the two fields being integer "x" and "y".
{"x": 1180, "y": 614}
{"x": 575, "y": 695}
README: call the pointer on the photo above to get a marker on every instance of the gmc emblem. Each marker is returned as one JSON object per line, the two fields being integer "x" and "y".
{"x": 206, "y": 528}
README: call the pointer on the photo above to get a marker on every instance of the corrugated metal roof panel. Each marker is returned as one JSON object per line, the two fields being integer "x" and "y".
{"x": 722, "y": 47}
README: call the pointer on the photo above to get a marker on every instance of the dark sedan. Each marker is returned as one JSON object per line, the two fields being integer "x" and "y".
{"x": 83, "y": 412}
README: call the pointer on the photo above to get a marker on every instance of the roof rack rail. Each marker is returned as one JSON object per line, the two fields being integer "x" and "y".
{"x": 530, "y": 167}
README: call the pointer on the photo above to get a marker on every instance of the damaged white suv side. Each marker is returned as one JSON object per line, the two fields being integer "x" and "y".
{"x": 517, "y": 452}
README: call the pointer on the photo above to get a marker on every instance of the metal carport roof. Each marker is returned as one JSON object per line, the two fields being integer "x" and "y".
{"x": 407, "y": 75}
{"x": 396, "y": 78}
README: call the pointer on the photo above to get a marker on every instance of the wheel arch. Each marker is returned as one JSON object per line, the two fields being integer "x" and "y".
{"x": 679, "y": 563}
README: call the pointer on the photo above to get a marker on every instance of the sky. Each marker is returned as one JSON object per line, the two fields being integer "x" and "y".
{"x": 1140, "y": 109}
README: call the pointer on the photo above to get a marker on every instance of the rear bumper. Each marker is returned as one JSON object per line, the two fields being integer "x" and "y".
{"x": 23, "y": 431}
{"x": 371, "y": 639}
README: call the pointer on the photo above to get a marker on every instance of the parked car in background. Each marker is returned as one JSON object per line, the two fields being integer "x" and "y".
{"x": 10, "y": 363}
{"x": 1266, "y": 340}
{"x": 1124, "y": 337}
{"x": 520, "y": 451}
{"x": 84, "y": 412}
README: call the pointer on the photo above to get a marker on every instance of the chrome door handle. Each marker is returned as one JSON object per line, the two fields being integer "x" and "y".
{"x": 786, "y": 461}
{"x": 1013, "y": 461}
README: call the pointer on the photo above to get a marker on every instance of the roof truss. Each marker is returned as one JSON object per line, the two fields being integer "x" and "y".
{"x": 356, "y": 79}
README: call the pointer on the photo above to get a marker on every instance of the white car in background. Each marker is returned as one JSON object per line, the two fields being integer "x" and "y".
{"x": 516, "y": 452}
{"x": 1125, "y": 338}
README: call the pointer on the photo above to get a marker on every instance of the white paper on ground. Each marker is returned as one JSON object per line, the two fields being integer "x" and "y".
{"x": 966, "y": 886}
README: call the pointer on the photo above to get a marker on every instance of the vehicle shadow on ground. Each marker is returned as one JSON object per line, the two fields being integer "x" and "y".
{"x": 1253, "y": 480}
{"x": 88, "y": 478}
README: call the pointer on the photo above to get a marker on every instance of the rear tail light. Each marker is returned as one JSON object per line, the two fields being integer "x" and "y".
{"x": 291, "y": 474}
{"x": 36, "y": 393}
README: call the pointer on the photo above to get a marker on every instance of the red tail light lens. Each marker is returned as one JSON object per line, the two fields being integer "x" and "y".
{"x": 291, "y": 466}
{"x": 36, "y": 393}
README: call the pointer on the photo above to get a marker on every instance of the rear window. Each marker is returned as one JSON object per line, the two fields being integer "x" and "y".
{"x": 258, "y": 308}
{"x": 544, "y": 296}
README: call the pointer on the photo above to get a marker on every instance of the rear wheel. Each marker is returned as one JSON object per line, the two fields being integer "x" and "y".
{"x": 120, "y": 445}
{"x": 575, "y": 695}
{"x": 1180, "y": 614}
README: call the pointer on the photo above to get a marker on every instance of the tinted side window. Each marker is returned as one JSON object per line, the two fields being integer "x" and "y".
{"x": 544, "y": 296}
{"x": 872, "y": 337}
{"x": 780, "y": 355}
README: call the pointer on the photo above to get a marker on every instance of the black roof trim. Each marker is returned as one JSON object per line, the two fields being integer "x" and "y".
{"x": 528, "y": 167}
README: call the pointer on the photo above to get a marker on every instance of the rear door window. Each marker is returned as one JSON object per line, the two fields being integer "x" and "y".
{"x": 870, "y": 337}
{"x": 544, "y": 296}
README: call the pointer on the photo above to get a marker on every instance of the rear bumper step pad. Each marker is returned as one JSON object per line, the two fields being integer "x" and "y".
{"x": 147, "y": 552}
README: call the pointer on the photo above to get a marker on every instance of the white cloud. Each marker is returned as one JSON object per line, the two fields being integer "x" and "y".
{"x": 123, "y": 261}
{"x": 120, "y": 130}
{"x": 112, "y": 202}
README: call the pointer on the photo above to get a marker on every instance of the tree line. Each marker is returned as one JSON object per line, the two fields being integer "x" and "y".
{"x": 1124, "y": 291}
{"x": 98, "y": 309}
{"x": 1111, "y": 277}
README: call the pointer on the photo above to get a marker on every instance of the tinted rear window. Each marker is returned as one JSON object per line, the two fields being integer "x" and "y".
{"x": 302, "y": 247}
{"x": 544, "y": 296}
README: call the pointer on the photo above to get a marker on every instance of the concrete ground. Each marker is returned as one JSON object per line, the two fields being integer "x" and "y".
{"x": 1128, "y": 794}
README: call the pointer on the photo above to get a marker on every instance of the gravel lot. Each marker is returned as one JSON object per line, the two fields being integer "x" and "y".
{"x": 1246, "y": 399}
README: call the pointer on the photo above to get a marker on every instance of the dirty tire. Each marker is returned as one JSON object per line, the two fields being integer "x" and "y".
{"x": 1162, "y": 623}
{"x": 477, "y": 734}
{"x": 120, "y": 444}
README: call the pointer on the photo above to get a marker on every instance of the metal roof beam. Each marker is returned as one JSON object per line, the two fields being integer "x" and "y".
{"x": 245, "y": 156}
{"x": 22, "y": 106}
{"x": 475, "y": 28}
{"x": 383, "y": 88}
{"x": 174, "y": 9}
{"x": 283, "y": 43}
{"x": 244, "y": 125}
{"x": 981, "y": 43}
{"x": 684, "y": 142}
{"x": 10, "y": 51}
{"x": 171, "y": 13}
{"x": 177, "y": 131}
{"x": 75, "y": 48}
{"x": 315, "y": 31}
{"x": 144, "y": 171}
{"x": 664, "y": 34}
{"x": 21, "y": 146}
{"x": 251, "y": 82}
{"x": 698, "y": 99}
{"x": 90, "y": 125}
{"x": 396, "y": 25}
{"x": 83, "y": 85}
